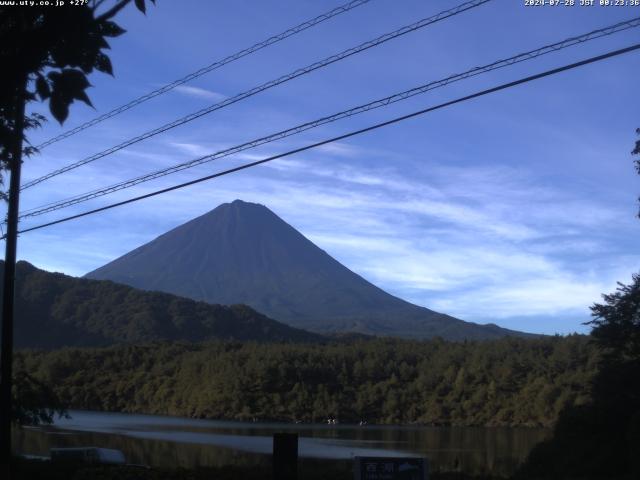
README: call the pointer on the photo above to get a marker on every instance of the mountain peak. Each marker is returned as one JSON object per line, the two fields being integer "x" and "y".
{"x": 242, "y": 252}
{"x": 240, "y": 204}
{"x": 235, "y": 209}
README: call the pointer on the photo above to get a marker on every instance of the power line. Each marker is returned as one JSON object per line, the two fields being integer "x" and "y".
{"x": 618, "y": 27}
{"x": 213, "y": 66}
{"x": 265, "y": 86}
{"x": 503, "y": 86}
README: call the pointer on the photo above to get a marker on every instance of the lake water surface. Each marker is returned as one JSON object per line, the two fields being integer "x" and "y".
{"x": 173, "y": 441}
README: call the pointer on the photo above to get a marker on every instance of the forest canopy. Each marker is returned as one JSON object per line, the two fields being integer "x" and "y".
{"x": 524, "y": 382}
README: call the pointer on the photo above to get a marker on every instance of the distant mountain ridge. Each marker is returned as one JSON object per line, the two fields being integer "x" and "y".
{"x": 55, "y": 310}
{"x": 244, "y": 253}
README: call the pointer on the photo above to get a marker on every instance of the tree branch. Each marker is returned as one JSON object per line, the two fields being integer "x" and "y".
{"x": 113, "y": 10}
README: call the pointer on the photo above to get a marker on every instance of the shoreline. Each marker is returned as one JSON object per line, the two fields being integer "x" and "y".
{"x": 291, "y": 424}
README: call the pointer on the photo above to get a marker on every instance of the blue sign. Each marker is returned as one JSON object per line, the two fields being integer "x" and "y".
{"x": 390, "y": 468}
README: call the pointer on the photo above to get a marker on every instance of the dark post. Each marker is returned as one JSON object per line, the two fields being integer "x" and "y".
{"x": 8, "y": 288}
{"x": 285, "y": 456}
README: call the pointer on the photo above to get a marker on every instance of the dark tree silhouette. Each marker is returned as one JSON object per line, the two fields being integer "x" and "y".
{"x": 636, "y": 151}
{"x": 616, "y": 323}
{"x": 34, "y": 402}
{"x": 46, "y": 53}
{"x": 602, "y": 439}
{"x": 50, "y": 51}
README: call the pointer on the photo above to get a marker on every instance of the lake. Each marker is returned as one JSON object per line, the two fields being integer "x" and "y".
{"x": 172, "y": 441}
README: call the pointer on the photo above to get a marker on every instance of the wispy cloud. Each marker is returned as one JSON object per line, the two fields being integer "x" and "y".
{"x": 199, "y": 92}
{"x": 513, "y": 206}
{"x": 194, "y": 149}
{"x": 339, "y": 149}
{"x": 440, "y": 240}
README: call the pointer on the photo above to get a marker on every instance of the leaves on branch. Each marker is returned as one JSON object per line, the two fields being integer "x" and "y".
{"x": 29, "y": 151}
{"x": 42, "y": 87}
{"x": 57, "y": 49}
{"x": 34, "y": 402}
{"x": 111, "y": 29}
{"x": 616, "y": 322}
{"x": 59, "y": 108}
{"x": 35, "y": 120}
{"x": 103, "y": 44}
{"x": 67, "y": 86}
{"x": 103, "y": 64}
{"x": 141, "y": 6}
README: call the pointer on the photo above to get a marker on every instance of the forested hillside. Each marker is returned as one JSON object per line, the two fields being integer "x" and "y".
{"x": 55, "y": 310}
{"x": 502, "y": 382}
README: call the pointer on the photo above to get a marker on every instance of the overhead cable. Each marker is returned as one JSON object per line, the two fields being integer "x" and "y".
{"x": 488, "y": 91}
{"x": 213, "y": 66}
{"x": 265, "y": 86}
{"x": 618, "y": 27}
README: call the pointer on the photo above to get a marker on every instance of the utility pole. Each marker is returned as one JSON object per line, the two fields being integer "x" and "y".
{"x": 8, "y": 288}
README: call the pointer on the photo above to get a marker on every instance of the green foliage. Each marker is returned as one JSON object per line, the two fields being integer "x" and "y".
{"x": 503, "y": 382}
{"x": 55, "y": 48}
{"x": 601, "y": 438}
{"x": 34, "y": 402}
{"x": 616, "y": 323}
{"x": 47, "y": 54}
{"x": 636, "y": 151}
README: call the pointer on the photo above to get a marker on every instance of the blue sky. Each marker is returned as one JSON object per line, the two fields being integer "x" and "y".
{"x": 517, "y": 208}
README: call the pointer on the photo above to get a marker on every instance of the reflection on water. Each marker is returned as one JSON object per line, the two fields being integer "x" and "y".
{"x": 171, "y": 441}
